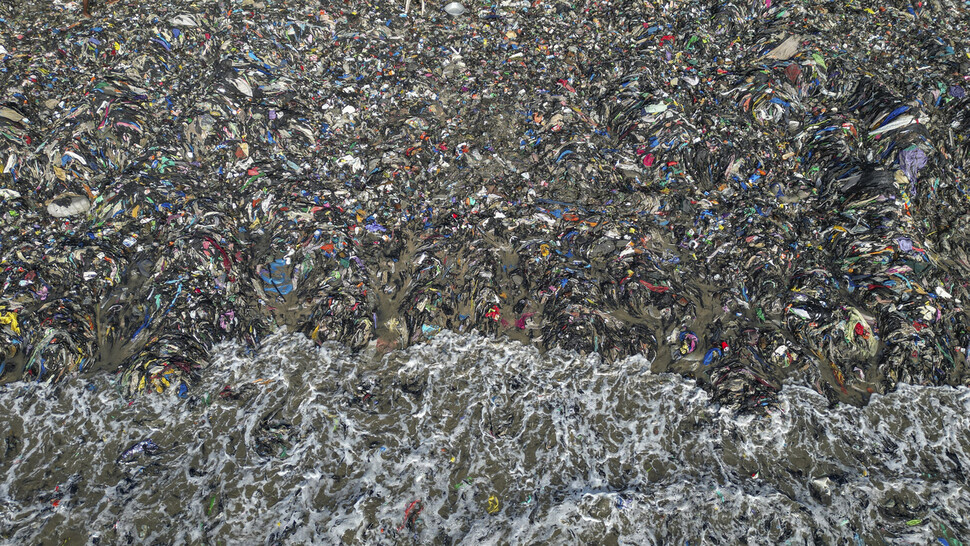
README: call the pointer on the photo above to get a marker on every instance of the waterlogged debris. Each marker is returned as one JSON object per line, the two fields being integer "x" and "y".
{"x": 184, "y": 20}
{"x": 911, "y": 160}
{"x": 68, "y": 205}
{"x": 11, "y": 114}
{"x": 411, "y": 514}
{"x": 9, "y": 319}
{"x": 147, "y": 447}
{"x": 277, "y": 279}
{"x": 822, "y": 489}
{"x": 897, "y": 123}
{"x": 785, "y": 50}
{"x": 768, "y": 178}
{"x": 243, "y": 86}
{"x": 455, "y": 9}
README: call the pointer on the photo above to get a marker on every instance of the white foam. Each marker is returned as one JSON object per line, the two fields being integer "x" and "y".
{"x": 326, "y": 443}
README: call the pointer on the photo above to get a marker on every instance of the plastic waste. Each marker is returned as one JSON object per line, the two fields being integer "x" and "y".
{"x": 68, "y": 205}
{"x": 784, "y": 182}
{"x": 455, "y": 9}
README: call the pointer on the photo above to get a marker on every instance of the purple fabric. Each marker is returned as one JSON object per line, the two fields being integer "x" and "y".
{"x": 957, "y": 91}
{"x": 911, "y": 160}
{"x": 905, "y": 244}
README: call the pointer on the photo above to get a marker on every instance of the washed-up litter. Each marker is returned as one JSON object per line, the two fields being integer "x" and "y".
{"x": 147, "y": 447}
{"x": 68, "y": 205}
{"x": 745, "y": 193}
{"x": 454, "y": 8}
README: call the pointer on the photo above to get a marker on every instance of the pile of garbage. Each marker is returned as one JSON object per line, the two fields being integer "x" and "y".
{"x": 747, "y": 193}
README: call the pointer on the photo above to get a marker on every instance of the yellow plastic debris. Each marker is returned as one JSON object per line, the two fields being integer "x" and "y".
{"x": 10, "y": 319}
